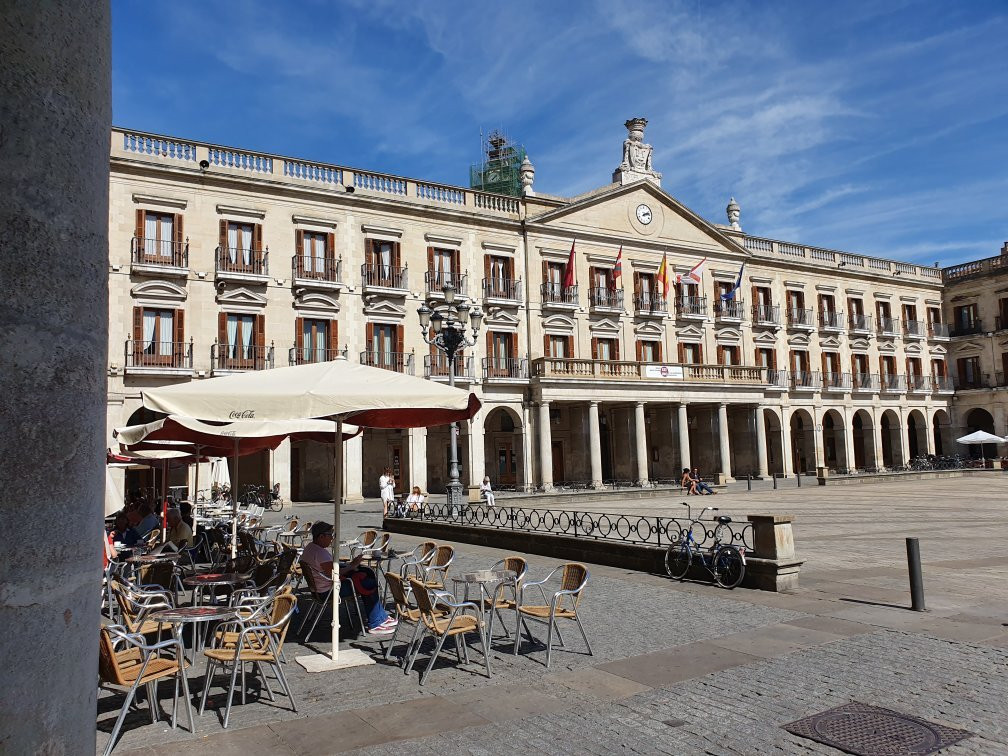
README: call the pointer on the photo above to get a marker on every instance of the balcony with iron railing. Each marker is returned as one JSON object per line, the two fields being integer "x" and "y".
{"x": 942, "y": 384}
{"x": 806, "y": 380}
{"x": 502, "y": 290}
{"x": 889, "y": 326}
{"x": 559, "y": 296}
{"x": 938, "y": 331}
{"x": 966, "y": 328}
{"x": 398, "y": 362}
{"x": 225, "y": 358}
{"x": 161, "y": 257}
{"x": 247, "y": 265}
{"x": 918, "y": 383}
{"x": 505, "y": 369}
{"x": 833, "y": 381}
{"x": 556, "y": 367}
{"x": 436, "y": 368}
{"x": 777, "y": 379}
{"x": 864, "y": 382}
{"x": 317, "y": 272}
{"x": 648, "y": 305}
{"x": 730, "y": 309}
{"x": 831, "y": 320}
{"x": 436, "y": 280}
{"x": 766, "y": 315}
{"x": 859, "y": 323}
{"x": 691, "y": 307}
{"x": 892, "y": 383}
{"x": 974, "y": 381}
{"x": 309, "y": 355}
{"x": 386, "y": 278}
{"x": 801, "y": 318}
{"x": 914, "y": 329}
{"x": 601, "y": 299}
{"x": 158, "y": 357}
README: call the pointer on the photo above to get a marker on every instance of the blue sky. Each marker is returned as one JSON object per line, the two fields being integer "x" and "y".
{"x": 877, "y": 127}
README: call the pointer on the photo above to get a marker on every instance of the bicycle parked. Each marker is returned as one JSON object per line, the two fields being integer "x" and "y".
{"x": 724, "y": 561}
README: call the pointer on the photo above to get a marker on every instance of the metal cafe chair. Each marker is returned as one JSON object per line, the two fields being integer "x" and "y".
{"x": 499, "y": 600}
{"x": 448, "y": 619}
{"x": 562, "y": 605}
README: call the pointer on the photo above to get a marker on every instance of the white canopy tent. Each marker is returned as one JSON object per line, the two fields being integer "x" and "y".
{"x": 339, "y": 390}
{"x": 980, "y": 438}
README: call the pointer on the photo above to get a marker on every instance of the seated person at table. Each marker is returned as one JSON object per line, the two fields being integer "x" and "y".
{"x": 179, "y": 533}
{"x": 319, "y": 558}
{"x": 142, "y": 521}
{"x": 185, "y": 509}
{"x": 415, "y": 500}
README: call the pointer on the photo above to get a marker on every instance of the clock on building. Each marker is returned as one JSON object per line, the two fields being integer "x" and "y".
{"x": 644, "y": 214}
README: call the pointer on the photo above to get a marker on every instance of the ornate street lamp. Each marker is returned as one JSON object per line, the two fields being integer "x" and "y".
{"x": 449, "y": 336}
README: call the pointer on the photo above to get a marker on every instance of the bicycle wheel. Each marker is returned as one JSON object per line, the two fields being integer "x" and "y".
{"x": 728, "y": 567}
{"x": 677, "y": 560}
{"x": 276, "y": 504}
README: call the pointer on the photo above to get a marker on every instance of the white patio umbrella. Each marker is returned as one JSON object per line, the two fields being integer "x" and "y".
{"x": 980, "y": 437}
{"x": 339, "y": 390}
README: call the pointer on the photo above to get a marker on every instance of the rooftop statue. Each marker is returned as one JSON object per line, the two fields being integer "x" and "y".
{"x": 636, "y": 163}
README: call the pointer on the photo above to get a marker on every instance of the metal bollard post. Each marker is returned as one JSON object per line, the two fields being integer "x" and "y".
{"x": 798, "y": 476}
{"x": 916, "y": 579}
{"x": 775, "y": 481}
{"x": 748, "y": 482}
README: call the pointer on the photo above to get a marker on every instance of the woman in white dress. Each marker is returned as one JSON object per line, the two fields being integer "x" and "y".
{"x": 386, "y": 486}
{"x": 415, "y": 501}
{"x": 486, "y": 491}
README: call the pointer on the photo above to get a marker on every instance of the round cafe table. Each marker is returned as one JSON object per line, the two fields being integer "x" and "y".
{"x": 152, "y": 558}
{"x": 213, "y": 580}
{"x": 489, "y": 582}
{"x": 199, "y": 616}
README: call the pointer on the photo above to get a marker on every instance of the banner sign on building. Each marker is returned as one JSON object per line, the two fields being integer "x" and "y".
{"x": 663, "y": 371}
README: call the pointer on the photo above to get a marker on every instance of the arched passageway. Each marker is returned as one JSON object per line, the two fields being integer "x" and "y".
{"x": 941, "y": 430}
{"x": 774, "y": 442}
{"x": 503, "y": 448}
{"x": 802, "y": 441}
{"x": 834, "y": 448}
{"x": 864, "y": 440}
{"x": 980, "y": 420}
{"x": 916, "y": 434}
{"x": 892, "y": 451}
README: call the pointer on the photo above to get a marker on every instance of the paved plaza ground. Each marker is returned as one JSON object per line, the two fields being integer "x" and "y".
{"x": 682, "y": 667}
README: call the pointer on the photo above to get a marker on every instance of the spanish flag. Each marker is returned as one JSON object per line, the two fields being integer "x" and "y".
{"x": 618, "y": 267}
{"x": 662, "y": 279}
{"x": 569, "y": 278}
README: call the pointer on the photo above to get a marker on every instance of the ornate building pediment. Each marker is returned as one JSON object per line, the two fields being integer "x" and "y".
{"x": 606, "y": 326}
{"x": 690, "y": 332}
{"x": 159, "y": 290}
{"x": 649, "y": 329}
{"x": 559, "y": 323}
{"x": 798, "y": 339}
{"x": 241, "y": 297}
{"x": 830, "y": 342}
{"x": 500, "y": 317}
{"x": 377, "y": 306}
{"x": 316, "y": 300}
{"x": 728, "y": 334}
{"x": 860, "y": 344}
{"x": 765, "y": 338}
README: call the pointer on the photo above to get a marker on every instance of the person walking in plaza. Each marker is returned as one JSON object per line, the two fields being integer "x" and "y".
{"x": 318, "y": 556}
{"x": 699, "y": 487}
{"x": 486, "y": 491}
{"x": 386, "y": 488}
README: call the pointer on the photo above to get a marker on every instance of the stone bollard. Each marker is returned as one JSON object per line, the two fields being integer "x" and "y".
{"x": 822, "y": 473}
{"x": 773, "y": 565}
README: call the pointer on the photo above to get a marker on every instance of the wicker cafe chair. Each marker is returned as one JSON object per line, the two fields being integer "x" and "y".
{"x": 135, "y": 605}
{"x": 500, "y": 599}
{"x": 405, "y": 613}
{"x": 562, "y": 605}
{"x": 140, "y": 663}
{"x": 240, "y": 642}
{"x": 435, "y": 573}
{"x": 416, "y": 560}
{"x": 452, "y": 623}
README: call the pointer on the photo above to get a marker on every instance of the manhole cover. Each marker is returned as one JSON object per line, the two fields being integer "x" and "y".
{"x": 872, "y": 731}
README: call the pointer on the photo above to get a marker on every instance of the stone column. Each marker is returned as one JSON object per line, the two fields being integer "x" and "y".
{"x": 418, "y": 458}
{"x": 640, "y": 433}
{"x": 877, "y": 438}
{"x": 477, "y": 455}
{"x": 683, "y": 426}
{"x": 848, "y": 418}
{"x": 545, "y": 448}
{"x": 722, "y": 416}
{"x": 353, "y": 468}
{"x": 762, "y": 463}
{"x": 54, "y": 217}
{"x": 904, "y": 432}
{"x": 594, "y": 445}
{"x": 280, "y": 468}
{"x": 817, "y": 435}
{"x": 527, "y": 442}
{"x": 787, "y": 461}
{"x": 929, "y": 431}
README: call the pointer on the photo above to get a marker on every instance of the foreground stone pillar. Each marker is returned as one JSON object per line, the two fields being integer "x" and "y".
{"x": 787, "y": 461}
{"x": 817, "y": 436}
{"x": 929, "y": 438}
{"x": 545, "y": 448}
{"x": 762, "y": 463}
{"x": 683, "y": 426}
{"x": 722, "y": 416}
{"x": 640, "y": 438}
{"x": 594, "y": 445}
{"x": 848, "y": 434}
{"x": 477, "y": 456}
{"x": 877, "y": 456}
{"x": 353, "y": 468}
{"x": 418, "y": 458}
{"x": 55, "y": 113}
{"x": 904, "y": 433}
{"x": 280, "y": 468}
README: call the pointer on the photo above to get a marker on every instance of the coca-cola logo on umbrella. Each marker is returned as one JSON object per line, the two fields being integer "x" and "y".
{"x": 247, "y": 414}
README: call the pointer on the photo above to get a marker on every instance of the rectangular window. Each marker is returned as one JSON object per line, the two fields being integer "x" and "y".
{"x": 559, "y": 346}
{"x": 500, "y": 277}
{"x": 649, "y": 351}
{"x": 1002, "y": 318}
{"x": 602, "y": 278}
{"x": 766, "y": 357}
{"x": 241, "y": 247}
{"x": 966, "y": 317}
{"x": 831, "y": 362}
{"x": 762, "y": 296}
{"x": 729, "y": 355}
{"x": 157, "y": 336}
{"x": 796, "y": 300}
{"x": 691, "y": 354}
{"x": 158, "y": 239}
{"x": 938, "y": 369}
{"x": 934, "y": 315}
{"x": 381, "y": 264}
{"x": 887, "y": 364}
{"x": 605, "y": 350}
{"x": 555, "y": 273}
{"x": 914, "y": 366}
{"x": 909, "y": 312}
{"x": 316, "y": 340}
{"x": 969, "y": 372}
{"x": 860, "y": 363}
{"x": 315, "y": 255}
{"x": 855, "y": 306}
{"x": 799, "y": 360}
{"x": 827, "y": 303}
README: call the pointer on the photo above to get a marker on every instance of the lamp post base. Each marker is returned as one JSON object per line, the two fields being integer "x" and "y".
{"x": 455, "y": 499}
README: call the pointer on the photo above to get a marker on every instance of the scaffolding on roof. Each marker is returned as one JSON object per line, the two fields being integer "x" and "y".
{"x": 500, "y": 171}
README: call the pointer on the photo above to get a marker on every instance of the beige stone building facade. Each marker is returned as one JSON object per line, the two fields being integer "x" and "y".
{"x": 222, "y": 260}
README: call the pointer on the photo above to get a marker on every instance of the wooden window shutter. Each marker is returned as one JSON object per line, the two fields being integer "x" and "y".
{"x": 223, "y": 236}
{"x": 333, "y": 335}
{"x": 640, "y": 347}
{"x": 825, "y": 363}
{"x": 570, "y": 347}
{"x": 298, "y": 242}
{"x": 615, "y": 343}
{"x": 222, "y": 328}
{"x": 330, "y": 245}
{"x": 369, "y": 337}
{"x": 489, "y": 344}
{"x": 486, "y": 267}
{"x": 545, "y": 276}
{"x": 257, "y": 242}
{"x": 699, "y": 353}
{"x": 260, "y": 330}
{"x": 594, "y": 348}
{"x": 682, "y": 352}
{"x": 720, "y": 354}
{"x": 546, "y": 345}
{"x": 179, "y": 235}
{"x": 962, "y": 370}
{"x": 138, "y": 324}
{"x": 514, "y": 345}
{"x": 457, "y": 262}
{"x": 140, "y": 220}
{"x": 430, "y": 258}
{"x": 299, "y": 332}
{"x": 659, "y": 351}
{"x": 1004, "y": 365}
{"x": 878, "y": 314}
{"x": 636, "y": 284}
{"x": 853, "y": 364}
{"x": 400, "y": 340}
{"x": 179, "y": 323}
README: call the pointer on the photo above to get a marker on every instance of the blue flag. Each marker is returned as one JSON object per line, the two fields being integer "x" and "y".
{"x": 730, "y": 295}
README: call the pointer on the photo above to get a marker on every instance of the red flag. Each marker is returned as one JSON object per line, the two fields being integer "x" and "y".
{"x": 618, "y": 267}
{"x": 568, "y": 279}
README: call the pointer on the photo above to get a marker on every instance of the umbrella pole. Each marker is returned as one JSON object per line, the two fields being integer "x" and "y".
{"x": 337, "y": 502}
{"x": 164, "y": 501}
{"x": 234, "y": 505}
{"x": 195, "y": 498}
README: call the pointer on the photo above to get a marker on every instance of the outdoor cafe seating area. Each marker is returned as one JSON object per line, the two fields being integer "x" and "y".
{"x": 222, "y": 620}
